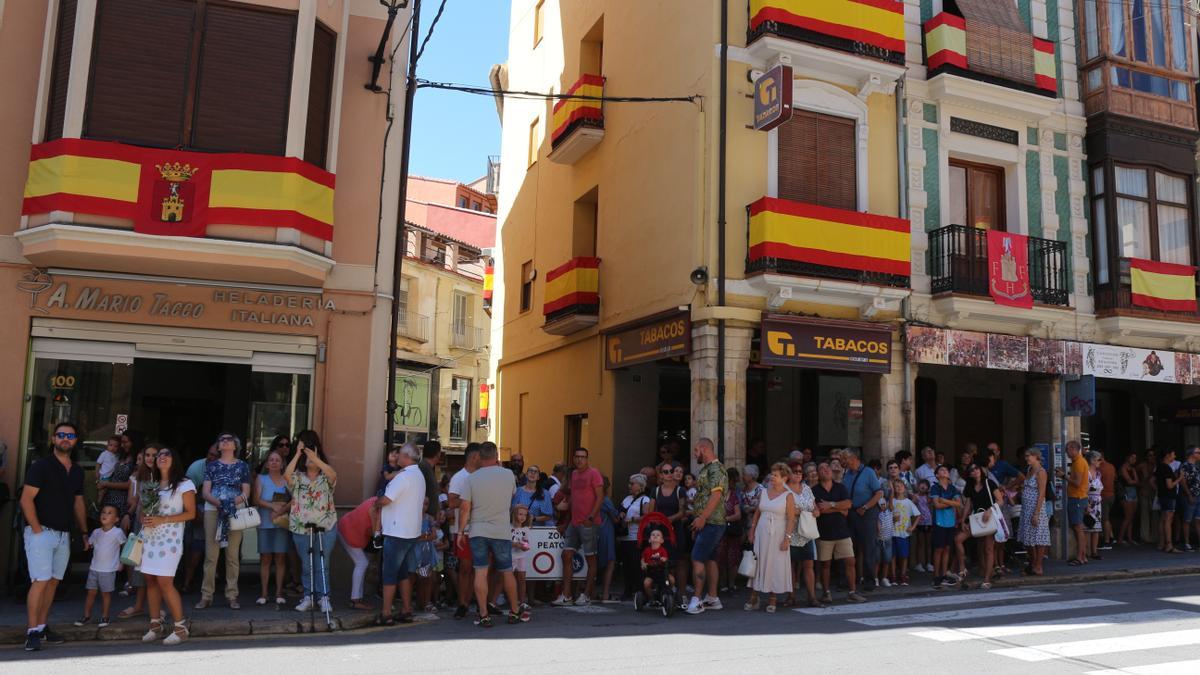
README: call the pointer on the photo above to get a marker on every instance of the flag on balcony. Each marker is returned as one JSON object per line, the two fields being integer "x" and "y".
{"x": 1008, "y": 269}
{"x": 574, "y": 285}
{"x": 1166, "y": 286}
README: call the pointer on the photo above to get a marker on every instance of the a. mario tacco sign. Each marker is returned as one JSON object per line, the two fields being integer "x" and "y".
{"x": 825, "y": 343}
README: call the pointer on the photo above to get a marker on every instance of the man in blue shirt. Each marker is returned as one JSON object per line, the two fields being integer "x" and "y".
{"x": 1002, "y": 471}
{"x": 865, "y": 492}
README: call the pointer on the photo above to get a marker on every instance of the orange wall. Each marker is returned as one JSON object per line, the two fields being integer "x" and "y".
{"x": 20, "y": 49}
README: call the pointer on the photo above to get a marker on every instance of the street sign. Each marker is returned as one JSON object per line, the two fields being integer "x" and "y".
{"x": 545, "y": 556}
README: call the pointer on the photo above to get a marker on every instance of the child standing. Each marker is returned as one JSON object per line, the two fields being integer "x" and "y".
{"x": 883, "y": 544}
{"x": 924, "y": 550}
{"x": 946, "y": 502}
{"x": 520, "y": 552}
{"x": 905, "y": 516}
{"x": 106, "y": 542}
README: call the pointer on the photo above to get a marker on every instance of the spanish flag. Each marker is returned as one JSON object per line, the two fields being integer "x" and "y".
{"x": 879, "y": 23}
{"x": 573, "y": 287}
{"x": 570, "y": 113}
{"x": 1166, "y": 286}
{"x": 781, "y": 229}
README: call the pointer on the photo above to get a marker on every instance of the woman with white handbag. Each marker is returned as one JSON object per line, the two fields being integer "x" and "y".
{"x": 804, "y": 538}
{"x": 226, "y": 488}
{"x": 984, "y": 499}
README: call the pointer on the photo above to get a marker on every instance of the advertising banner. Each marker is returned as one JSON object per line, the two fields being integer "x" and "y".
{"x": 660, "y": 338}
{"x": 773, "y": 98}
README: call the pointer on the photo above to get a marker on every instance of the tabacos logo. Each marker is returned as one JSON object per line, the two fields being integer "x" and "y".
{"x": 780, "y": 343}
{"x": 615, "y": 353}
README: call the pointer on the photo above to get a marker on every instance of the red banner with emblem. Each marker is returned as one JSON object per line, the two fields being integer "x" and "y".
{"x": 1008, "y": 269}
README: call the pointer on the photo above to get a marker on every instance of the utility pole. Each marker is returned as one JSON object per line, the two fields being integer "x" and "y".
{"x": 410, "y": 91}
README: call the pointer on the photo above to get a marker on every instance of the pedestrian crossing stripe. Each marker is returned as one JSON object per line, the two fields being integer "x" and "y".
{"x": 1112, "y": 645}
{"x": 1173, "y": 668}
{"x": 983, "y": 612}
{"x": 1184, "y": 599}
{"x": 1054, "y": 626}
{"x": 588, "y": 609}
{"x": 915, "y": 603}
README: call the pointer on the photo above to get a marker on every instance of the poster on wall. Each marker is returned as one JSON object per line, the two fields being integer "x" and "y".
{"x": 1128, "y": 363}
{"x": 1008, "y": 352}
{"x": 1047, "y": 356}
{"x": 412, "y": 400}
{"x": 925, "y": 344}
{"x": 1183, "y": 368}
{"x": 967, "y": 348}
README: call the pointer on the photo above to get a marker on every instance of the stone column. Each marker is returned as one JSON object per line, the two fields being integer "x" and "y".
{"x": 703, "y": 362}
{"x": 887, "y": 422}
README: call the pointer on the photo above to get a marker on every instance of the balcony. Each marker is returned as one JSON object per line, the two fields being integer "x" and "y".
{"x": 873, "y": 29}
{"x": 1119, "y": 313}
{"x": 958, "y": 263}
{"x": 414, "y": 326}
{"x": 237, "y": 217}
{"x": 578, "y": 123}
{"x": 572, "y": 296}
{"x": 468, "y": 337}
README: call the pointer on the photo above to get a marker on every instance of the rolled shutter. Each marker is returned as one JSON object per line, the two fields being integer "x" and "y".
{"x": 60, "y": 74}
{"x": 138, "y": 87}
{"x": 320, "y": 94}
{"x": 245, "y": 80}
{"x": 818, "y": 161}
{"x": 998, "y": 43}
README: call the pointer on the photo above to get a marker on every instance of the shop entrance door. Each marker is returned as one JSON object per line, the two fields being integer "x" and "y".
{"x": 976, "y": 420}
{"x": 185, "y": 404}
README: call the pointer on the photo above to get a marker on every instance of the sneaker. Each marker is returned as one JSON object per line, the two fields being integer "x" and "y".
{"x": 712, "y": 602}
{"x": 583, "y": 600}
{"x": 561, "y": 601}
{"x": 885, "y": 582}
{"x": 695, "y": 606}
{"x": 855, "y": 596}
{"x": 461, "y": 612}
{"x": 937, "y": 584}
{"x": 33, "y": 641}
{"x": 305, "y": 605}
{"x": 103, "y": 622}
{"x": 84, "y": 621}
{"x": 951, "y": 579}
{"x": 50, "y": 637}
{"x": 204, "y": 603}
{"x": 826, "y": 598}
{"x": 1186, "y": 547}
{"x": 904, "y": 580}
{"x": 326, "y": 606}
{"x": 484, "y": 622}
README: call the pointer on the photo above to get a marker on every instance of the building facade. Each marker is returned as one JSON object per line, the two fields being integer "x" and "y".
{"x": 190, "y": 240}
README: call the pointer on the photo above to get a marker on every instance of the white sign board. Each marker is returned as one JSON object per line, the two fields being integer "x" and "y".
{"x": 122, "y": 424}
{"x": 545, "y": 556}
{"x": 1128, "y": 363}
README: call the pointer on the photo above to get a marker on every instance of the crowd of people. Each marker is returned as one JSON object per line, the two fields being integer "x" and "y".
{"x": 802, "y": 525}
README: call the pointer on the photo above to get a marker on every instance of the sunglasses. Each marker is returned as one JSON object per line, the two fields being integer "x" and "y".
{"x": 222, "y": 439}
{"x": 163, "y": 453}
{"x": 63, "y": 435}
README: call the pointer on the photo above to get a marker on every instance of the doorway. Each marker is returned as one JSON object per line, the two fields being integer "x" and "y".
{"x": 976, "y": 420}
{"x": 185, "y": 404}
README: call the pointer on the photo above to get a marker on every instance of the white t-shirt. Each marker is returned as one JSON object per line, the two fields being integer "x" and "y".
{"x": 926, "y": 472}
{"x": 106, "y": 463}
{"x": 555, "y": 486}
{"x": 634, "y": 508}
{"x": 458, "y": 485}
{"x": 402, "y": 517}
{"x": 106, "y": 549}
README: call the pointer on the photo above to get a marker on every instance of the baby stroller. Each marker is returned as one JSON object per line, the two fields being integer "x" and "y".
{"x": 664, "y": 595}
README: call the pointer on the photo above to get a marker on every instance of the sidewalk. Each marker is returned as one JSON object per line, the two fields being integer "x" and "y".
{"x": 220, "y": 621}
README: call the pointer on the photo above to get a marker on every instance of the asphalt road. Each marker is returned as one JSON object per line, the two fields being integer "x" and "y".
{"x": 1139, "y": 627}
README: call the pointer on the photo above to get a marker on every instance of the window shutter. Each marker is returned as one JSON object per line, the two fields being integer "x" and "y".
{"x": 998, "y": 43}
{"x": 60, "y": 74}
{"x": 138, "y": 88}
{"x": 817, "y": 160}
{"x": 245, "y": 80}
{"x": 320, "y": 94}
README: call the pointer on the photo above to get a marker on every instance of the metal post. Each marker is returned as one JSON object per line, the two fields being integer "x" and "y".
{"x": 1063, "y": 521}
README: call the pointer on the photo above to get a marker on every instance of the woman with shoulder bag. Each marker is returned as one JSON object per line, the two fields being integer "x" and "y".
{"x": 141, "y": 485}
{"x": 770, "y": 535}
{"x": 804, "y": 539}
{"x": 670, "y": 499}
{"x": 983, "y": 498}
{"x": 633, "y": 507}
{"x": 226, "y": 488}
{"x": 274, "y": 540}
{"x": 311, "y": 481}
{"x": 175, "y": 505}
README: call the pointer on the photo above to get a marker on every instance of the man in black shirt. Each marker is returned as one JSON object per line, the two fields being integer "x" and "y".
{"x": 53, "y": 493}
{"x": 431, "y": 456}
{"x": 1167, "y": 479}
{"x": 833, "y": 502}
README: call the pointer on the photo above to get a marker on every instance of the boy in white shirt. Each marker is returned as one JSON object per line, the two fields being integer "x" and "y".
{"x": 106, "y": 542}
{"x": 905, "y": 515}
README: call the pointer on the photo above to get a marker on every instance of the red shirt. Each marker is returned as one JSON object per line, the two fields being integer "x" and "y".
{"x": 652, "y": 557}
{"x": 355, "y": 527}
{"x": 583, "y": 493}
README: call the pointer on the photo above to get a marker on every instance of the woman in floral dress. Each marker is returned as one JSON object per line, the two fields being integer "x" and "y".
{"x": 226, "y": 488}
{"x": 1094, "y": 505}
{"x": 1035, "y": 524}
{"x": 311, "y": 481}
{"x": 164, "y": 514}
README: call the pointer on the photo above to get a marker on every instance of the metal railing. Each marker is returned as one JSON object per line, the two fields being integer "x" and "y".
{"x": 958, "y": 263}
{"x": 415, "y": 326}
{"x": 467, "y": 337}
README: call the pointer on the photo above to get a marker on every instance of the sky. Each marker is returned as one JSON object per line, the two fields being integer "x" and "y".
{"x": 453, "y": 133}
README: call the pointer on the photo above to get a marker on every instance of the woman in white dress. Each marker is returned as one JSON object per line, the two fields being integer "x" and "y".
{"x": 774, "y": 521}
{"x": 162, "y": 531}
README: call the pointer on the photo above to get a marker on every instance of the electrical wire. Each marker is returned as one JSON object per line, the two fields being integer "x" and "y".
{"x": 436, "y": 17}
{"x": 534, "y": 95}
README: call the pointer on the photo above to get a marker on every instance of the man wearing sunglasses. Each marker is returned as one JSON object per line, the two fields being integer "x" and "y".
{"x": 53, "y": 493}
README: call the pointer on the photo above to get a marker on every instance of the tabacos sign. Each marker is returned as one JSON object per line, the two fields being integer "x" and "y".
{"x": 661, "y": 337}
{"x": 773, "y": 98}
{"x": 827, "y": 344}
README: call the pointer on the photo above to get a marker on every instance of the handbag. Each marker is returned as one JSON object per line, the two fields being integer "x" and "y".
{"x": 748, "y": 565}
{"x": 979, "y": 528}
{"x": 244, "y": 518}
{"x": 131, "y": 550}
{"x": 806, "y": 527}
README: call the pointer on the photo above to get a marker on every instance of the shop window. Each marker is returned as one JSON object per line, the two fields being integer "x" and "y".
{"x": 539, "y": 21}
{"x": 526, "y": 285}
{"x": 60, "y": 72}
{"x": 976, "y": 195}
{"x": 1152, "y": 215}
{"x": 163, "y": 97}
{"x": 460, "y": 407}
{"x": 320, "y": 96}
{"x": 279, "y": 404}
{"x": 817, "y": 160}
{"x": 583, "y": 225}
{"x": 90, "y": 394}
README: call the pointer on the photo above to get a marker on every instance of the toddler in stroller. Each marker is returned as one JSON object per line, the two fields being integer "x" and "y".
{"x": 658, "y": 584}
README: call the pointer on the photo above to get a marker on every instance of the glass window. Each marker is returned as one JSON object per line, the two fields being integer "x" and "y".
{"x": 1173, "y": 235}
{"x": 1179, "y": 42}
{"x": 1098, "y": 180}
{"x": 1169, "y": 188}
{"x": 958, "y": 193}
{"x": 279, "y": 404}
{"x": 526, "y": 285}
{"x": 1116, "y": 29}
{"x": 1132, "y": 182}
{"x": 1133, "y": 223}
{"x": 1159, "y": 45}
{"x": 1101, "y": 220}
{"x": 1153, "y": 226}
{"x": 460, "y": 407}
{"x": 977, "y": 195}
{"x": 89, "y": 393}
{"x": 1095, "y": 78}
{"x": 1138, "y": 23}
{"x": 460, "y": 317}
{"x": 1091, "y": 36}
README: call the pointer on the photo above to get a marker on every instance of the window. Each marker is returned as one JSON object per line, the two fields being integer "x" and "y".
{"x": 1091, "y": 33}
{"x": 60, "y": 74}
{"x": 526, "y": 285}
{"x": 460, "y": 407}
{"x": 320, "y": 96}
{"x": 583, "y": 226}
{"x": 535, "y": 140}
{"x": 462, "y": 202}
{"x": 1153, "y": 215}
{"x": 147, "y": 88}
{"x": 817, "y": 160}
{"x": 977, "y": 195}
{"x": 539, "y": 21}
{"x": 1153, "y": 32}
{"x": 435, "y": 251}
{"x": 402, "y": 298}
{"x": 591, "y": 50}
{"x": 475, "y": 206}
{"x": 460, "y": 318}
{"x": 1100, "y": 221}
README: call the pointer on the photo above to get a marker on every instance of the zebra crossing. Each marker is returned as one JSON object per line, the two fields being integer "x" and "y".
{"x": 1099, "y": 635}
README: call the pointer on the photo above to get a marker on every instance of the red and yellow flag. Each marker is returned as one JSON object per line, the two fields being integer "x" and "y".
{"x": 173, "y": 192}
{"x": 1166, "y": 286}
{"x": 568, "y": 113}
{"x": 879, "y": 23}
{"x": 819, "y": 235}
{"x": 576, "y": 283}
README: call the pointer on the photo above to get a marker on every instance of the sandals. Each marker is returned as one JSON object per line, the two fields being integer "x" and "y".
{"x": 260, "y": 601}
{"x": 359, "y": 604}
{"x": 179, "y": 635}
{"x": 1076, "y": 562}
{"x": 771, "y": 608}
{"x": 388, "y": 620}
{"x": 130, "y": 612}
{"x": 484, "y": 621}
{"x": 751, "y": 606}
{"x": 155, "y": 632}
{"x": 280, "y": 601}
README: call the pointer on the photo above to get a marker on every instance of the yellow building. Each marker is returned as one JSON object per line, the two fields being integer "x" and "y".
{"x": 608, "y": 309}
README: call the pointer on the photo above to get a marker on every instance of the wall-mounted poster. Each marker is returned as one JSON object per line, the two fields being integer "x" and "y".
{"x": 967, "y": 348}
{"x": 1047, "y": 356}
{"x": 1183, "y": 368}
{"x": 1008, "y": 352}
{"x": 926, "y": 344}
{"x": 1128, "y": 363}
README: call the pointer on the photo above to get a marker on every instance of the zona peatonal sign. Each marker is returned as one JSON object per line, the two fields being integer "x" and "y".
{"x": 661, "y": 336}
{"x": 826, "y": 343}
{"x": 773, "y": 98}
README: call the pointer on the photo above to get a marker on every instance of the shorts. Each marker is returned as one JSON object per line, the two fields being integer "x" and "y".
{"x": 900, "y": 547}
{"x": 1106, "y": 504}
{"x": 883, "y": 550}
{"x": 838, "y": 549}
{"x": 501, "y": 550}
{"x": 805, "y": 553}
{"x": 399, "y": 560}
{"x": 1131, "y": 494}
{"x": 1190, "y": 511}
{"x": 105, "y": 582}
{"x": 273, "y": 540}
{"x": 657, "y": 574}
{"x": 48, "y": 553}
{"x": 1075, "y": 510}
{"x": 1166, "y": 503}
{"x": 462, "y": 550}
{"x": 521, "y": 564}
{"x": 580, "y": 538}
{"x": 943, "y": 537}
{"x": 705, "y": 547}
{"x": 925, "y": 529}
